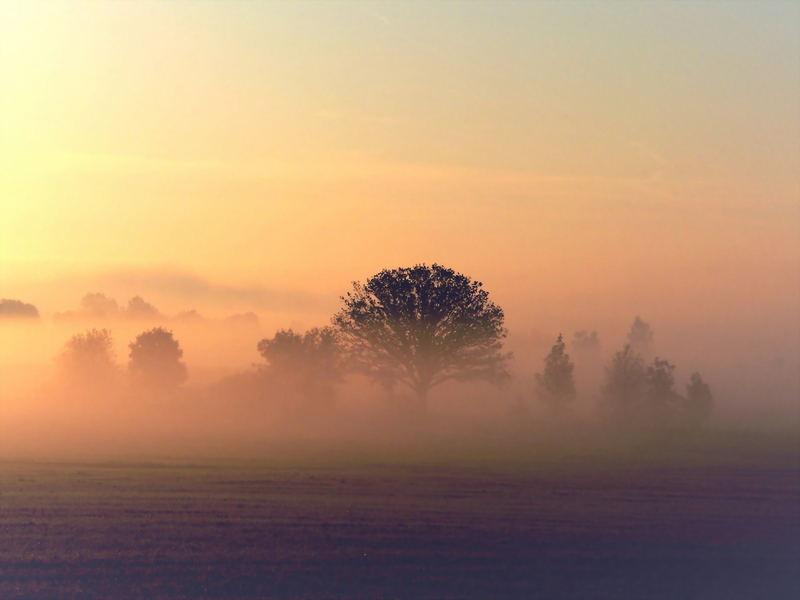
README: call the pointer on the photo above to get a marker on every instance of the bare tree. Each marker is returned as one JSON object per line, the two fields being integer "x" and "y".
{"x": 422, "y": 326}
{"x": 155, "y": 360}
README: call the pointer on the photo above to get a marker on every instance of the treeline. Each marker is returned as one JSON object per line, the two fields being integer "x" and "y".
{"x": 412, "y": 328}
{"x": 16, "y": 309}
{"x": 97, "y": 306}
{"x": 634, "y": 392}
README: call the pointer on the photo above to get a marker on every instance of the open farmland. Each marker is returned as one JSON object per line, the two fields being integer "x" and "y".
{"x": 338, "y": 528}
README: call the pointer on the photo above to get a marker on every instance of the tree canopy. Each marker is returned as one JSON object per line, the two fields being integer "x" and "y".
{"x": 422, "y": 326}
{"x": 310, "y": 363}
{"x": 87, "y": 359}
{"x": 155, "y": 360}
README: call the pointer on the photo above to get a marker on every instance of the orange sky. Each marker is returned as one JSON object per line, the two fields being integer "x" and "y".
{"x": 583, "y": 160}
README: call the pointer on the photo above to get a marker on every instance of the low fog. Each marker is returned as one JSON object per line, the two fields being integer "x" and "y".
{"x": 121, "y": 376}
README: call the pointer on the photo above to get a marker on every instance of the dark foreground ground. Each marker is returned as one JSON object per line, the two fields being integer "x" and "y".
{"x": 339, "y": 527}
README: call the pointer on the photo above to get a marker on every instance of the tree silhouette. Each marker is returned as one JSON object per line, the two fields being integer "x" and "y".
{"x": 626, "y": 383}
{"x": 139, "y": 308}
{"x": 640, "y": 336}
{"x": 155, "y": 360}
{"x": 16, "y": 309}
{"x": 698, "y": 402}
{"x": 98, "y": 305}
{"x": 87, "y": 359}
{"x": 309, "y": 363}
{"x": 640, "y": 395}
{"x": 661, "y": 398}
{"x": 555, "y": 386}
{"x": 422, "y": 326}
{"x": 95, "y": 305}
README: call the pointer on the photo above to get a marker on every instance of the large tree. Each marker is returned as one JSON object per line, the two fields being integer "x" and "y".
{"x": 422, "y": 326}
{"x": 155, "y": 360}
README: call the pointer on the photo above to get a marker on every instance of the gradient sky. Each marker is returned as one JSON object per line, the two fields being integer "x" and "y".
{"x": 581, "y": 158}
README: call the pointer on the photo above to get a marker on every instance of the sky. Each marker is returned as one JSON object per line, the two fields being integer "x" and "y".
{"x": 586, "y": 161}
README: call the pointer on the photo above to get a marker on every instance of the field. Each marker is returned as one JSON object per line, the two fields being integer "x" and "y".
{"x": 344, "y": 526}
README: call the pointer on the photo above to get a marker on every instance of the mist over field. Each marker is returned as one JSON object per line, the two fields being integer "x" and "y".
{"x": 399, "y": 449}
{"x": 225, "y": 405}
{"x": 399, "y": 300}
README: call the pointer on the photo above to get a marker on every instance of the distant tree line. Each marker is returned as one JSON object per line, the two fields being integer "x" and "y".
{"x": 417, "y": 327}
{"x": 633, "y": 393}
{"x": 87, "y": 361}
{"x": 16, "y": 309}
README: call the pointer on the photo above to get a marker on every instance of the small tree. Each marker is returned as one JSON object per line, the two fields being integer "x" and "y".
{"x": 699, "y": 401}
{"x": 626, "y": 383}
{"x": 555, "y": 386}
{"x": 309, "y": 363}
{"x": 87, "y": 360}
{"x": 155, "y": 360}
{"x": 661, "y": 398}
{"x": 422, "y": 326}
